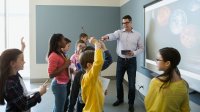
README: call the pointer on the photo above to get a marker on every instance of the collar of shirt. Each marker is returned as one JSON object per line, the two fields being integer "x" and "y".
{"x": 125, "y": 30}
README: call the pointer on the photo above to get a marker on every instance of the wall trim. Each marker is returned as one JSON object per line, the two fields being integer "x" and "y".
{"x": 40, "y": 80}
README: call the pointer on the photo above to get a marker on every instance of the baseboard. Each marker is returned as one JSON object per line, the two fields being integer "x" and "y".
{"x": 110, "y": 77}
{"x": 114, "y": 78}
{"x": 41, "y": 80}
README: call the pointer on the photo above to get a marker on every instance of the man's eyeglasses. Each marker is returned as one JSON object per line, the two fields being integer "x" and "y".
{"x": 126, "y": 22}
{"x": 159, "y": 60}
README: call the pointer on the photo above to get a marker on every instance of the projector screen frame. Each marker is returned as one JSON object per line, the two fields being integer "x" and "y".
{"x": 192, "y": 78}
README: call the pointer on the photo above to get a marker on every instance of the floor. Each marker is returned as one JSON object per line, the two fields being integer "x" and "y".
{"x": 47, "y": 100}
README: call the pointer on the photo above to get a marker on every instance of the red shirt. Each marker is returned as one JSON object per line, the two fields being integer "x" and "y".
{"x": 55, "y": 61}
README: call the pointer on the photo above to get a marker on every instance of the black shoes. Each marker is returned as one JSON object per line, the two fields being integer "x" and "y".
{"x": 118, "y": 102}
{"x": 131, "y": 108}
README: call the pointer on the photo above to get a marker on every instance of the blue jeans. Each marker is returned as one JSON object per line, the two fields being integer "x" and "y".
{"x": 60, "y": 94}
{"x": 129, "y": 66}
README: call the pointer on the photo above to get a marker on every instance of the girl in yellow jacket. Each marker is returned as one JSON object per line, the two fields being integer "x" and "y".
{"x": 168, "y": 92}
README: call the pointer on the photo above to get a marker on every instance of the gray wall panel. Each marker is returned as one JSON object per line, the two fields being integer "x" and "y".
{"x": 68, "y": 20}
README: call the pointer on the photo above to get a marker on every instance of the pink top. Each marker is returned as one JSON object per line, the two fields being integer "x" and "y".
{"x": 55, "y": 61}
{"x": 74, "y": 59}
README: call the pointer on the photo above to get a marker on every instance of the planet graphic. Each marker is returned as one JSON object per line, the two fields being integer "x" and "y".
{"x": 178, "y": 20}
{"x": 163, "y": 16}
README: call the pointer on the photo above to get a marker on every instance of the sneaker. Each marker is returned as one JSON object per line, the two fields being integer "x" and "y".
{"x": 131, "y": 108}
{"x": 118, "y": 102}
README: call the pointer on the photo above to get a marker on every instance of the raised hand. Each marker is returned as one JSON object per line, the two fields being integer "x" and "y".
{"x": 103, "y": 46}
{"x": 23, "y": 45}
{"x": 98, "y": 45}
{"x": 92, "y": 40}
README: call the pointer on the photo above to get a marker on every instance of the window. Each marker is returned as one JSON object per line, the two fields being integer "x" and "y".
{"x": 14, "y": 15}
{"x": 2, "y": 25}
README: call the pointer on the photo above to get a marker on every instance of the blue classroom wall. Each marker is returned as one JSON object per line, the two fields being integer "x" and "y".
{"x": 69, "y": 20}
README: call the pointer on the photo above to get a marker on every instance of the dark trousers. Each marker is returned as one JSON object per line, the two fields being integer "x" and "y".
{"x": 80, "y": 106}
{"x": 129, "y": 66}
{"x": 67, "y": 99}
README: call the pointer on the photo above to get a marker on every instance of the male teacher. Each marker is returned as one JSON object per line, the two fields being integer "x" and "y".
{"x": 129, "y": 45}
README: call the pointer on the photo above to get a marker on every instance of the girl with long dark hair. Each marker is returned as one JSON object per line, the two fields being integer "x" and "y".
{"x": 168, "y": 92}
{"x": 58, "y": 70}
{"x": 12, "y": 87}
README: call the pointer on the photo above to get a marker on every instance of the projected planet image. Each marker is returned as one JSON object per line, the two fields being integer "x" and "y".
{"x": 188, "y": 36}
{"x": 177, "y": 21}
{"x": 163, "y": 16}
